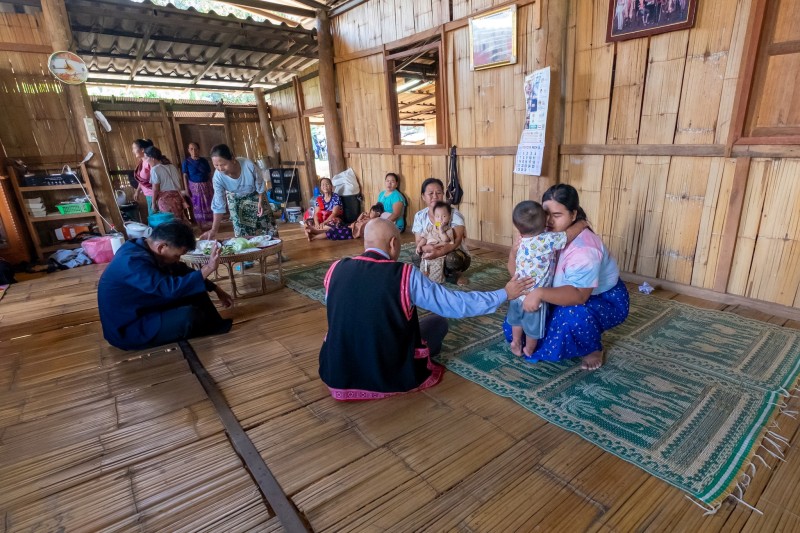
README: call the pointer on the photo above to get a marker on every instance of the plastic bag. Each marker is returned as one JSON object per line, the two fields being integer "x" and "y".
{"x": 345, "y": 183}
{"x": 98, "y": 249}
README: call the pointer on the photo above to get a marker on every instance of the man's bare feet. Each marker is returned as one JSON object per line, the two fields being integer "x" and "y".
{"x": 516, "y": 348}
{"x": 593, "y": 361}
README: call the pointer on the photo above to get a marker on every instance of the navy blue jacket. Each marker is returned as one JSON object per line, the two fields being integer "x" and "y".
{"x": 134, "y": 289}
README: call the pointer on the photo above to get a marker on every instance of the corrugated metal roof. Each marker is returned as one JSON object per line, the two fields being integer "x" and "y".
{"x": 146, "y": 44}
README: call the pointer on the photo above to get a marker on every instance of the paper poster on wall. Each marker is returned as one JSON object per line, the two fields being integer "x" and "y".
{"x": 530, "y": 151}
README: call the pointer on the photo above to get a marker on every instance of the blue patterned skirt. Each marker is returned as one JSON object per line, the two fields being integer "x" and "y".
{"x": 577, "y": 330}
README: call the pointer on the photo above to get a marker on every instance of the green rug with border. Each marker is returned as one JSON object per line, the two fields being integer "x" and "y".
{"x": 689, "y": 395}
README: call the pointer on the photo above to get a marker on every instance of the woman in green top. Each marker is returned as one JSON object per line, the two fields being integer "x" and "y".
{"x": 394, "y": 203}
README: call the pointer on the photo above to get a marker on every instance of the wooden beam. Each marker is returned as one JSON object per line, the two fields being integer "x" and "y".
{"x": 786, "y": 47}
{"x": 327, "y": 89}
{"x": 688, "y": 150}
{"x": 287, "y": 85}
{"x": 149, "y": 10}
{"x": 217, "y": 55}
{"x": 145, "y": 40}
{"x": 170, "y": 131}
{"x": 136, "y": 83}
{"x": 776, "y": 150}
{"x": 310, "y": 112}
{"x": 266, "y": 127}
{"x": 344, "y": 7}
{"x": 197, "y": 42}
{"x": 730, "y": 228}
{"x": 305, "y": 136}
{"x": 56, "y": 27}
{"x": 744, "y": 85}
{"x": 266, "y": 69}
{"x": 280, "y": 8}
{"x": 26, "y": 48}
{"x": 464, "y": 21}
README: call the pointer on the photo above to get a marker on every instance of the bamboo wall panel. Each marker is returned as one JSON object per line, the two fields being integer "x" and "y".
{"x": 662, "y": 93}
{"x": 119, "y": 141}
{"x": 729, "y": 84}
{"x": 363, "y": 102}
{"x": 768, "y": 245}
{"x": 378, "y": 22}
{"x": 588, "y": 94}
{"x": 311, "y": 93}
{"x": 623, "y": 124}
{"x": 706, "y": 62}
{"x": 787, "y": 26}
{"x": 780, "y": 102}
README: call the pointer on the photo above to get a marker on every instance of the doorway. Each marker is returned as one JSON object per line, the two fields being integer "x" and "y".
{"x": 206, "y": 135}
{"x": 319, "y": 143}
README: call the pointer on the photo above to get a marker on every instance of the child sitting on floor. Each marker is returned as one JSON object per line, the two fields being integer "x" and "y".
{"x": 439, "y": 232}
{"x": 357, "y": 227}
{"x": 533, "y": 255}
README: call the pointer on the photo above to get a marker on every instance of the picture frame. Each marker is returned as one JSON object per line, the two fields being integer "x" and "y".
{"x": 493, "y": 38}
{"x": 629, "y": 19}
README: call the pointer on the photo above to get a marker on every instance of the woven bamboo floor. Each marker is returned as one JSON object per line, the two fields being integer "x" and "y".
{"x": 93, "y": 438}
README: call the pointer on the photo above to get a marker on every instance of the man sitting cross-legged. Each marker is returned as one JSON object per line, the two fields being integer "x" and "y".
{"x": 147, "y": 297}
{"x": 376, "y": 346}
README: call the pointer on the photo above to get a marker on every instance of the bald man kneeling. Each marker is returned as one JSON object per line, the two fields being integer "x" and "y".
{"x": 376, "y": 346}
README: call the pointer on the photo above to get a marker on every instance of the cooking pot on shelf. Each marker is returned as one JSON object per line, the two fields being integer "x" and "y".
{"x": 135, "y": 230}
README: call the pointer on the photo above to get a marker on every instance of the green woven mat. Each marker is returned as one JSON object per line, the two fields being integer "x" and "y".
{"x": 687, "y": 394}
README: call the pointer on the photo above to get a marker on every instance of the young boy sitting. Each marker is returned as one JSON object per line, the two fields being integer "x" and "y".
{"x": 439, "y": 232}
{"x": 533, "y": 255}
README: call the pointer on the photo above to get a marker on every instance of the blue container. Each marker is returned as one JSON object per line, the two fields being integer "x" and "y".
{"x": 156, "y": 219}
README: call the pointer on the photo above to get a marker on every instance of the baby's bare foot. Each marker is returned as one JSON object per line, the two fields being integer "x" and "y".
{"x": 530, "y": 347}
{"x": 516, "y": 348}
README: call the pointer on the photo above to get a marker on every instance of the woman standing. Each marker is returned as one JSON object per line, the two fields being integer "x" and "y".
{"x": 197, "y": 178}
{"x": 142, "y": 173}
{"x": 394, "y": 203}
{"x": 587, "y": 297}
{"x": 330, "y": 226}
{"x": 457, "y": 258}
{"x": 168, "y": 192}
{"x": 239, "y": 180}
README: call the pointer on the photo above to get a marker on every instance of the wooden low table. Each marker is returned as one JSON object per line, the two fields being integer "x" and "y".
{"x": 257, "y": 255}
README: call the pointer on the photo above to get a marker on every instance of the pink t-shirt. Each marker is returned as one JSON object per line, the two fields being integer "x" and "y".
{"x": 586, "y": 263}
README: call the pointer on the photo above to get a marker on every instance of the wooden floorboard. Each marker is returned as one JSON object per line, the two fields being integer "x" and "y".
{"x": 95, "y": 438}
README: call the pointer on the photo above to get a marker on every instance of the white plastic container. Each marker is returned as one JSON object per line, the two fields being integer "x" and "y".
{"x": 293, "y": 214}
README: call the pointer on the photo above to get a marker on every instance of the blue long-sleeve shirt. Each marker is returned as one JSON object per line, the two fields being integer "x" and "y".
{"x": 134, "y": 287}
{"x": 449, "y": 304}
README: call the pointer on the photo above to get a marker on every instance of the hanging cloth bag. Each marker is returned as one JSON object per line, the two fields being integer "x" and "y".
{"x": 454, "y": 191}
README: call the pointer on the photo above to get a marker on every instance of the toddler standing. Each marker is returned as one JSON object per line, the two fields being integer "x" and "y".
{"x": 533, "y": 255}
{"x": 439, "y": 232}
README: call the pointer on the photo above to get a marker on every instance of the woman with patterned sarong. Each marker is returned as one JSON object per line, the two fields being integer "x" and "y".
{"x": 238, "y": 180}
{"x": 142, "y": 173}
{"x": 330, "y": 225}
{"x": 197, "y": 177}
{"x": 168, "y": 192}
{"x": 587, "y": 297}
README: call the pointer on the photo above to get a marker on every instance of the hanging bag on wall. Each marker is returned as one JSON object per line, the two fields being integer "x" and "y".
{"x": 454, "y": 191}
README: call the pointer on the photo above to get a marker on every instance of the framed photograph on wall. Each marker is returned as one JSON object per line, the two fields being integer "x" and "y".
{"x": 493, "y": 38}
{"x": 629, "y": 19}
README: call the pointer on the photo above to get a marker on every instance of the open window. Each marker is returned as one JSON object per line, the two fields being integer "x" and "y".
{"x": 414, "y": 75}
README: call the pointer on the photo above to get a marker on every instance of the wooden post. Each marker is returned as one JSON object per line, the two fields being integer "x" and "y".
{"x": 327, "y": 89}
{"x": 266, "y": 127}
{"x": 554, "y": 24}
{"x": 56, "y": 23}
{"x": 170, "y": 132}
{"x": 304, "y": 130}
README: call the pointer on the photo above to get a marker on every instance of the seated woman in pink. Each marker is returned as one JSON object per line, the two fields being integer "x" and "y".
{"x": 587, "y": 297}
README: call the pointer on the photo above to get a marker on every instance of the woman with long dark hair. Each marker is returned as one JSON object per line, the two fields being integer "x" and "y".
{"x": 587, "y": 297}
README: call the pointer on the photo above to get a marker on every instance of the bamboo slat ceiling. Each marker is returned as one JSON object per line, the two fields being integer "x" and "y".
{"x": 144, "y": 44}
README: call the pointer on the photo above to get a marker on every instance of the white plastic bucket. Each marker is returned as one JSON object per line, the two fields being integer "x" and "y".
{"x": 117, "y": 240}
{"x": 293, "y": 214}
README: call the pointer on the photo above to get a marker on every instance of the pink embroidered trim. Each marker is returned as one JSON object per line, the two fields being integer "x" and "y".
{"x": 327, "y": 278}
{"x": 405, "y": 292}
{"x": 372, "y": 260}
{"x": 437, "y": 371}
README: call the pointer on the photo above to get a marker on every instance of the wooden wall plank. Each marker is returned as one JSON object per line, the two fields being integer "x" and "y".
{"x": 626, "y": 101}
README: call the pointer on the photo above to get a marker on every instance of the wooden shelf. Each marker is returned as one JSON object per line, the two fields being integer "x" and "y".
{"x": 50, "y": 188}
{"x": 90, "y": 214}
{"x": 34, "y": 223}
{"x": 64, "y": 246}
